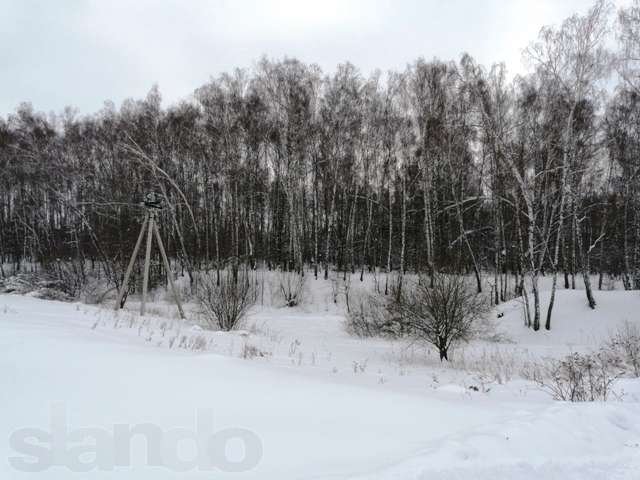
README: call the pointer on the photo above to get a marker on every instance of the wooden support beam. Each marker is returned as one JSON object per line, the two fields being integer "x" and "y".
{"x": 147, "y": 261}
{"x": 132, "y": 261}
{"x": 169, "y": 272}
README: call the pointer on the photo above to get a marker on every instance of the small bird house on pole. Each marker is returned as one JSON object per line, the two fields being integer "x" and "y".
{"x": 152, "y": 204}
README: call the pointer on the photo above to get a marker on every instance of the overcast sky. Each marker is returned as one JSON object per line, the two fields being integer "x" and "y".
{"x": 81, "y": 53}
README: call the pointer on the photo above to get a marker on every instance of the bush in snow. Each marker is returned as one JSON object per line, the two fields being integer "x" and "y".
{"x": 369, "y": 317}
{"x": 44, "y": 285}
{"x": 441, "y": 314}
{"x": 19, "y": 283}
{"x": 251, "y": 351}
{"x": 70, "y": 276}
{"x": 626, "y": 341}
{"x": 291, "y": 287}
{"x": 227, "y": 301}
{"x": 577, "y": 377}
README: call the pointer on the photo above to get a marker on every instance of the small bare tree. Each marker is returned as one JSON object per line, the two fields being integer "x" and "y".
{"x": 291, "y": 287}
{"x": 226, "y": 301}
{"x": 442, "y": 313}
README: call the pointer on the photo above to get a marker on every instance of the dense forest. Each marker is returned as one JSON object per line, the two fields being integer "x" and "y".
{"x": 443, "y": 167}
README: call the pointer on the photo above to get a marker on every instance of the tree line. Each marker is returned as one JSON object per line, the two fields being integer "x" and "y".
{"x": 443, "y": 167}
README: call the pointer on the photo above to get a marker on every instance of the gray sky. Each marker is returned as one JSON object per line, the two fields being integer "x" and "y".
{"x": 81, "y": 53}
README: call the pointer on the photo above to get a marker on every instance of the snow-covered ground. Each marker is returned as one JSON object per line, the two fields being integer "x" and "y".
{"x": 315, "y": 402}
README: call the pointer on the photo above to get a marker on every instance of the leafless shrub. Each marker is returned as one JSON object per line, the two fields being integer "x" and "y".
{"x": 441, "y": 314}
{"x": 369, "y": 317}
{"x": 70, "y": 276}
{"x": 47, "y": 293}
{"x": 44, "y": 285}
{"x": 251, "y": 351}
{"x": 291, "y": 287}
{"x": 626, "y": 341}
{"x": 226, "y": 303}
{"x": 19, "y": 283}
{"x": 577, "y": 377}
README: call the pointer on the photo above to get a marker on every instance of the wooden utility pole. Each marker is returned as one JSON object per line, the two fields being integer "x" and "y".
{"x": 153, "y": 206}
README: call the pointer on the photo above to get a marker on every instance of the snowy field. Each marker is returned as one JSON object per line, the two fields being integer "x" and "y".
{"x": 312, "y": 401}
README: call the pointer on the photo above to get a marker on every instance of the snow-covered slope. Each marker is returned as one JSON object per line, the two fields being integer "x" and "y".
{"x": 316, "y": 415}
{"x": 573, "y": 324}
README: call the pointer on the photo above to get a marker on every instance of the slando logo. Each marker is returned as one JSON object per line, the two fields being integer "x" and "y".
{"x": 94, "y": 448}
